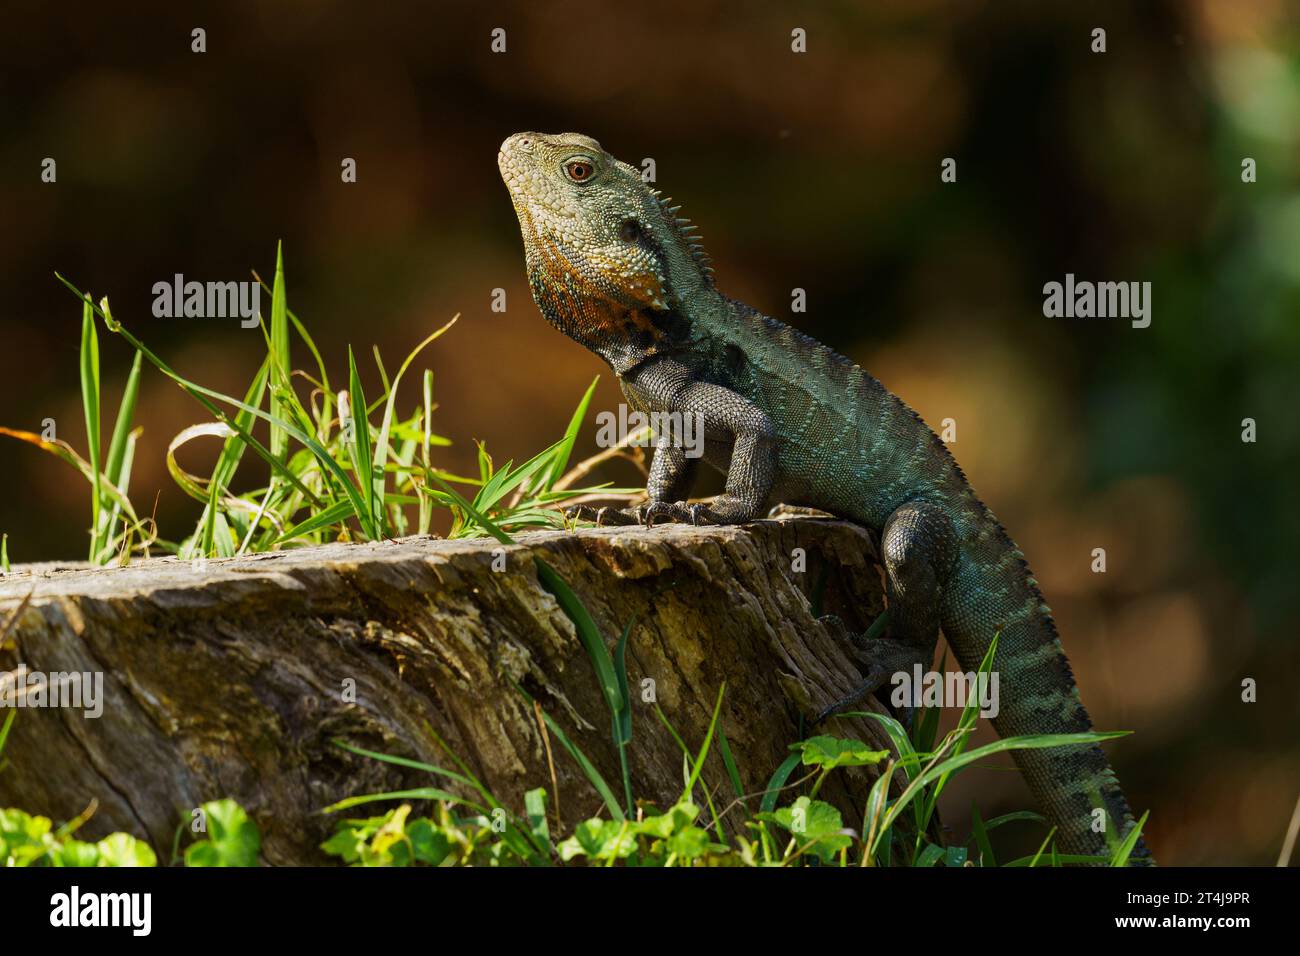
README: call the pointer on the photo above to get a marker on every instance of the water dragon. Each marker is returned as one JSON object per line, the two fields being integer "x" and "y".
{"x": 613, "y": 265}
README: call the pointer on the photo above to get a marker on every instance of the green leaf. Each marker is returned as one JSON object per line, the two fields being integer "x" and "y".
{"x": 78, "y": 854}
{"x": 877, "y": 800}
{"x": 949, "y": 766}
{"x": 908, "y": 758}
{"x": 122, "y": 849}
{"x": 428, "y": 842}
{"x": 600, "y": 840}
{"x": 831, "y": 752}
{"x": 931, "y": 855}
{"x": 210, "y": 513}
{"x": 535, "y": 810}
{"x": 813, "y": 823}
{"x": 4, "y": 730}
{"x": 24, "y": 839}
{"x": 622, "y": 719}
{"x": 663, "y": 825}
{"x": 929, "y": 799}
{"x": 233, "y": 838}
{"x": 689, "y": 843}
{"x": 1027, "y": 815}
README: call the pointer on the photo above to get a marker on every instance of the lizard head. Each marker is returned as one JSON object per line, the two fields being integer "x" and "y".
{"x": 604, "y": 251}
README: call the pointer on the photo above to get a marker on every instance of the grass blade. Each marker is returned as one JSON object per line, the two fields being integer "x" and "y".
{"x": 122, "y": 427}
{"x": 588, "y": 768}
{"x": 774, "y": 784}
{"x": 203, "y": 396}
{"x": 981, "y": 836}
{"x": 728, "y": 761}
{"x": 335, "y": 513}
{"x": 412, "y": 764}
{"x": 358, "y": 442}
{"x": 560, "y": 462}
{"x": 90, "y": 405}
{"x": 588, "y": 634}
{"x": 381, "y": 443}
{"x": 279, "y": 356}
{"x": 419, "y": 793}
{"x": 1126, "y": 848}
{"x": 708, "y": 740}
{"x": 957, "y": 762}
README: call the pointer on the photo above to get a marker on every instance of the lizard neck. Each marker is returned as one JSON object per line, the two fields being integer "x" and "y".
{"x": 626, "y": 333}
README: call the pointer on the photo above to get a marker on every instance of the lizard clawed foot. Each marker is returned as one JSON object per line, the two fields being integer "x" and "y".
{"x": 880, "y": 659}
{"x": 723, "y": 510}
{"x": 875, "y": 680}
{"x": 679, "y": 512}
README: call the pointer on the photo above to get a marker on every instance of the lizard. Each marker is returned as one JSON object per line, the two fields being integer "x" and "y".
{"x": 613, "y": 265}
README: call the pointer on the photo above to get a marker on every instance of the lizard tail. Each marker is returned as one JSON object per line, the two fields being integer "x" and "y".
{"x": 1037, "y": 695}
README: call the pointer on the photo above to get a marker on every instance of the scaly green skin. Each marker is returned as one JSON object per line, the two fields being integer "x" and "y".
{"x": 790, "y": 421}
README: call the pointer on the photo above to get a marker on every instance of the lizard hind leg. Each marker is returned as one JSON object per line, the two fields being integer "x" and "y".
{"x": 918, "y": 547}
{"x": 879, "y": 659}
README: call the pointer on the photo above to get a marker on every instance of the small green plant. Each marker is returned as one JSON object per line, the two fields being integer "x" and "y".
{"x": 30, "y": 840}
{"x": 340, "y": 466}
{"x": 27, "y": 840}
{"x": 232, "y": 837}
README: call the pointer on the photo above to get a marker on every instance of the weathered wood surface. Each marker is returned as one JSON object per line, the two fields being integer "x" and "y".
{"x": 228, "y": 680}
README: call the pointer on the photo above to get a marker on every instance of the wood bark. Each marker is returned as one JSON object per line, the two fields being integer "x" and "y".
{"x": 230, "y": 678}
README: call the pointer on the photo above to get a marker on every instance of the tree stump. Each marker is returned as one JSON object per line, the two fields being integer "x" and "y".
{"x": 229, "y": 678}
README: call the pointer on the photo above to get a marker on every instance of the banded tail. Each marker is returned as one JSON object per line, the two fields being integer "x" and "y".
{"x": 992, "y": 592}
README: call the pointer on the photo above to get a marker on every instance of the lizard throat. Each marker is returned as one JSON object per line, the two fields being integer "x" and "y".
{"x": 624, "y": 337}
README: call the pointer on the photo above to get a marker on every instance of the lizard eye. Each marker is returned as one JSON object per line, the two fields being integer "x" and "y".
{"x": 579, "y": 170}
{"x": 630, "y": 231}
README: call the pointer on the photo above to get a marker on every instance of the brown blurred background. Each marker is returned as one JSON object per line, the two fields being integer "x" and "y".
{"x": 818, "y": 171}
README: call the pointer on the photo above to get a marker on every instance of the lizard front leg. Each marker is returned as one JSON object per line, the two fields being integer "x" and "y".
{"x": 726, "y": 417}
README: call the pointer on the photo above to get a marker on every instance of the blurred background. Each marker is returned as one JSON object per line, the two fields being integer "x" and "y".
{"x": 817, "y": 170}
